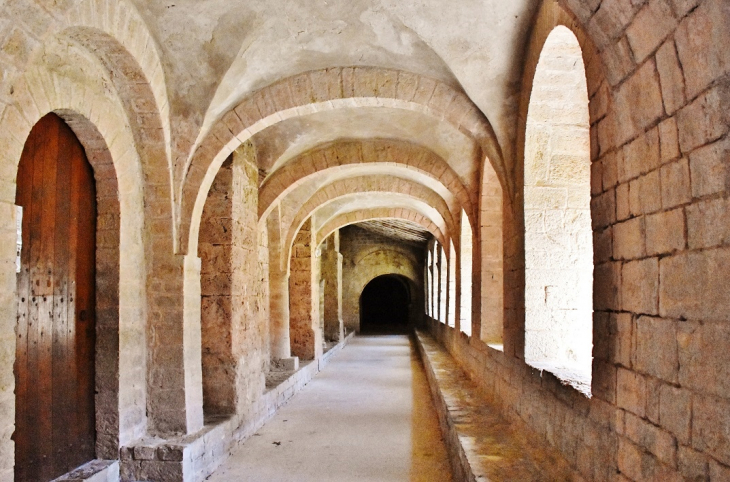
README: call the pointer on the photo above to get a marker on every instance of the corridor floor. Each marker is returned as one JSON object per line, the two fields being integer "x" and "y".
{"x": 367, "y": 416}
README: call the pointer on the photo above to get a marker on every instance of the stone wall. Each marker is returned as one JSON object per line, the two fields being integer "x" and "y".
{"x": 366, "y": 256}
{"x": 658, "y": 87}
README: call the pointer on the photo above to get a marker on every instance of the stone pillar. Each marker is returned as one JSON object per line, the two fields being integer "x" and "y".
{"x": 332, "y": 276}
{"x": 175, "y": 398}
{"x": 215, "y": 246}
{"x": 304, "y": 295}
{"x": 230, "y": 313}
{"x": 278, "y": 291}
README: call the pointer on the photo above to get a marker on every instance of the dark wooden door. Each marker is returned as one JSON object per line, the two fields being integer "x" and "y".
{"x": 54, "y": 367}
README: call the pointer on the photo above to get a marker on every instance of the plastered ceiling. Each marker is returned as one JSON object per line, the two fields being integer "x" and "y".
{"x": 215, "y": 53}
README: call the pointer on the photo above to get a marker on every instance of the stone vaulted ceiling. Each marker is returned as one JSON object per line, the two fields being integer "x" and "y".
{"x": 218, "y": 55}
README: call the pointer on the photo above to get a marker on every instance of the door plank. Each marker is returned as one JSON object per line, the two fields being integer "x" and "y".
{"x": 45, "y": 319}
{"x": 23, "y": 199}
{"x": 62, "y": 402}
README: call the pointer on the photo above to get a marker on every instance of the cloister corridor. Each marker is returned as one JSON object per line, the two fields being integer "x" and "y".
{"x": 367, "y": 416}
{"x": 364, "y": 240}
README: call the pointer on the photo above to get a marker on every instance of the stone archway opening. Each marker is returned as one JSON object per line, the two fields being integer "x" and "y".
{"x": 385, "y": 305}
{"x": 558, "y": 234}
{"x": 61, "y": 257}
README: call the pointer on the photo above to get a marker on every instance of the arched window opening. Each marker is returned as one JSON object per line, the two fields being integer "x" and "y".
{"x": 466, "y": 274}
{"x": 443, "y": 283}
{"x": 435, "y": 282}
{"x": 429, "y": 282}
{"x": 558, "y": 235}
{"x": 384, "y": 305}
{"x": 451, "y": 308}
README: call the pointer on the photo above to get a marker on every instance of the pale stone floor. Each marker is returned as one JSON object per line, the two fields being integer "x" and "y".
{"x": 367, "y": 416}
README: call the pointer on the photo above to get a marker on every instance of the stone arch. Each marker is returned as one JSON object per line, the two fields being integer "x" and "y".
{"x": 144, "y": 116}
{"x": 114, "y": 65}
{"x": 551, "y": 15}
{"x": 317, "y": 91}
{"x": 380, "y": 262}
{"x": 120, "y": 21}
{"x": 346, "y": 219}
{"x": 119, "y": 192}
{"x": 335, "y": 190}
{"x": 350, "y": 153}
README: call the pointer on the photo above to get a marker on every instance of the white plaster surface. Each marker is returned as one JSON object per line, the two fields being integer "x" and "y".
{"x": 367, "y": 416}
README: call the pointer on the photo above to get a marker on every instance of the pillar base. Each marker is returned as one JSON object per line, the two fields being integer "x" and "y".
{"x": 288, "y": 364}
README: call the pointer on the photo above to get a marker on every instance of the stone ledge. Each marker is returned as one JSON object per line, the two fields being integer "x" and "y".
{"x": 94, "y": 471}
{"x": 482, "y": 445}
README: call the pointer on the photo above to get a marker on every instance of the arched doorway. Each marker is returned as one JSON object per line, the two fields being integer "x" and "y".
{"x": 384, "y": 305}
{"x": 55, "y": 332}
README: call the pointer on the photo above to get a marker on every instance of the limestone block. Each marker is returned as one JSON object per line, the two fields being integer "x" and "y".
{"x": 705, "y": 119}
{"x": 632, "y": 461}
{"x": 671, "y": 77}
{"x": 652, "y": 439}
{"x": 655, "y": 348}
{"x": 711, "y": 426}
{"x": 675, "y": 411}
{"x": 631, "y": 391}
{"x": 622, "y": 331}
{"x": 709, "y": 169}
{"x": 665, "y": 232}
{"x": 603, "y": 209}
{"x": 706, "y": 296}
{"x": 650, "y": 26}
{"x": 640, "y": 286}
{"x": 704, "y": 361}
{"x": 719, "y": 471}
{"x": 692, "y": 464}
{"x": 700, "y": 40}
{"x": 628, "y": 239}
{"x": 708, "y": 224}
{"x": 606, "y": 282}
{"x": 645, "y": 195}
{"x": 623, "y": 204}
{"x": 638, "y": 102}
{"x": 675, "y": 184}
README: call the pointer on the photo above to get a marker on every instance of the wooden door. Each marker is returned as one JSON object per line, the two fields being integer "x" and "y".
{"x": 55, "y": 337}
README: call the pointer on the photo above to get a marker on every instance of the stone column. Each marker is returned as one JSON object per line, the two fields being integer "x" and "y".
{"x": 278, "y": 293}
{"x": 230, "y": 312}
{"x": 304, "y": 295}
{"x": 332, "y": 275}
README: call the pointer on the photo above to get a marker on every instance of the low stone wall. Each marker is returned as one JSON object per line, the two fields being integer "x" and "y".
{"x": 194, "y": 457}
{"x": 94, "y": 471}
{"x": 482, "y": 444}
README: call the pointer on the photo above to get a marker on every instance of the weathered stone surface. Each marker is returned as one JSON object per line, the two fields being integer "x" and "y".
{"x": 710, "y": 427}
{"x": 705, "y": 298}
{"x": 704, "y": 363}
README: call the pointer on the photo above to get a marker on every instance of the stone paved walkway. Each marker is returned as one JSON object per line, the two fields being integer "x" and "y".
{"x": 367, "y": 416}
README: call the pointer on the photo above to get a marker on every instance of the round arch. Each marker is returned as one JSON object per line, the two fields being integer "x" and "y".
{"x": 377, "y": 262}
{"x": 367, "y": 184}
{"x": 338, "y": 156}
{"x": 119, "y": 182}
{"x": 300, "y": 95}
{"x": 386, "y": 303}
{"x": 354, "y": 217}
